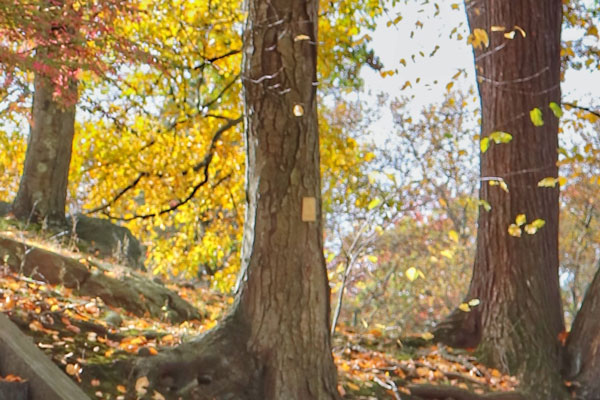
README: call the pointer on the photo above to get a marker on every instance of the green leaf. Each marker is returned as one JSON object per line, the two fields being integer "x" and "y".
{"x": 536, "y": 117}
{"x": 556, "y": 109}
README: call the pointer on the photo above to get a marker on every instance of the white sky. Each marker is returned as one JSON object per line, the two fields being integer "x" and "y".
{"x": 394, "y": 43}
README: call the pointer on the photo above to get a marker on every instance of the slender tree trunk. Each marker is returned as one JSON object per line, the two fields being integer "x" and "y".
{"x": 519, "y": 318}
{"x": 275, "y": 344}
{"x": 582, "y": 355}
{"x": 43, "y": 188}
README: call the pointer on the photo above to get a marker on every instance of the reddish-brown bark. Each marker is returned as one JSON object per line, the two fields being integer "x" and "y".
{"x": 516, "y": 278}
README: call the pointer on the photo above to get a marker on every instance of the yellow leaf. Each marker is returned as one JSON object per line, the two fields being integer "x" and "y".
{"x": 521, "y": 31}
{"x": 521, "y": 219}
{"x": 301, "y": 37}
{"x": 538, "y": 223}
{"x": 514, "y": 230}
{"x": 374, "y": 203}
{"x": 484, "y": 144}
{"x": 547, "y": 182}
{"x": 447, "y": 253}
{"x": 536, "y": 117}
{"x": 453, "y": 235}
{"x": 530, "y": 229}
{"x": 427, "y": 336}
{"x": 372, "y": 258}
{"x": 474, "y": 302}
{"x": 510, "y": 35}
{"x": 298, "y": 110}
{"x": 464, "y": 307}
{"x": 496, "y": 28}
{"x": 562, "y": 181}
{"x": 413, "y": 273}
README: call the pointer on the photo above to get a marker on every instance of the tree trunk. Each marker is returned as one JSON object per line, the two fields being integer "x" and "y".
{"x": 582, "y": 355}
{"x": 43, "y": 188}
{"x": 516, "y": 278}
{"x": 275, "y": 344}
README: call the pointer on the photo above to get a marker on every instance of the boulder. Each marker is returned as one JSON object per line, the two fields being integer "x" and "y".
{"x": 105, "y": 239}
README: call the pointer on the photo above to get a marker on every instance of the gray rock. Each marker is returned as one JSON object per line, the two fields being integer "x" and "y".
{"x": 108, "y": 240}
{"x": 4, "y": 208}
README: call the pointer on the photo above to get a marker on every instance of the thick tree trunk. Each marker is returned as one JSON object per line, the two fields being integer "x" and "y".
{"x": 43, "y": 188}
{"x": 516, "y": 278}
{"x": 582, "y": 355}
{"x": 276, "y": 343}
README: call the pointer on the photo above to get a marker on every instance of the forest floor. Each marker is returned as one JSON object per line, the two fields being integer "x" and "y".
{"x": 96, "y": 344}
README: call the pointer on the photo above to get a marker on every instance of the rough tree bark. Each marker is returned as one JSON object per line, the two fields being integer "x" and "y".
{"x": 516, "y": 278}
{"x": 43, "y": 188}
{"x": 582, "y": 355}
{"x": 275, "y": 344}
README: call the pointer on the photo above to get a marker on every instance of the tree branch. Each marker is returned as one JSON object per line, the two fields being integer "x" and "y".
{"x": 202, "y": 165}
{"x": 586, "y": 109}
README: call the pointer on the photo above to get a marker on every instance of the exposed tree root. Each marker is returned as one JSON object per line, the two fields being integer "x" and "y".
{"x": 460, "y": 329}
{"x": 214, "y": 366}
{"x": 431, "y": 392}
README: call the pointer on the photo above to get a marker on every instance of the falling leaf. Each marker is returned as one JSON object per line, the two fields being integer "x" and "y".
{"x": 298, "y": 110}
{"x": 121, "y": 388}
{"x": 464, "y": 307}
{"x": 500, "y": 137}
{"x": 301, "y": 37}
{"x": 521, "y": 31}
{"x": 510, "y": 35}
{"x": 453, "y": 235}
{"x": 427, "y": 336}
{"x": 521, "y": 219}
{"x": 484, "y": 144}
{"x": 496, "y": 28}
{"x": 486, "y": 206}
{"x": 374, "y": 203}
{"x": 514, "y": 230}
{"x": 536, "y": 117}
{"x": 556, "y": 109}
{"x": 474, "y": 302}
{"x": 547, "y": 182}
{"x": 538, "y": 223}
{"x": 479, "y": 38}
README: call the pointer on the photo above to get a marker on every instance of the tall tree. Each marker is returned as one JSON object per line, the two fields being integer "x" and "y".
{"x": 275, "y": 343}
{"x": 43, "y": 188}
{"x": 515, "y": 276}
